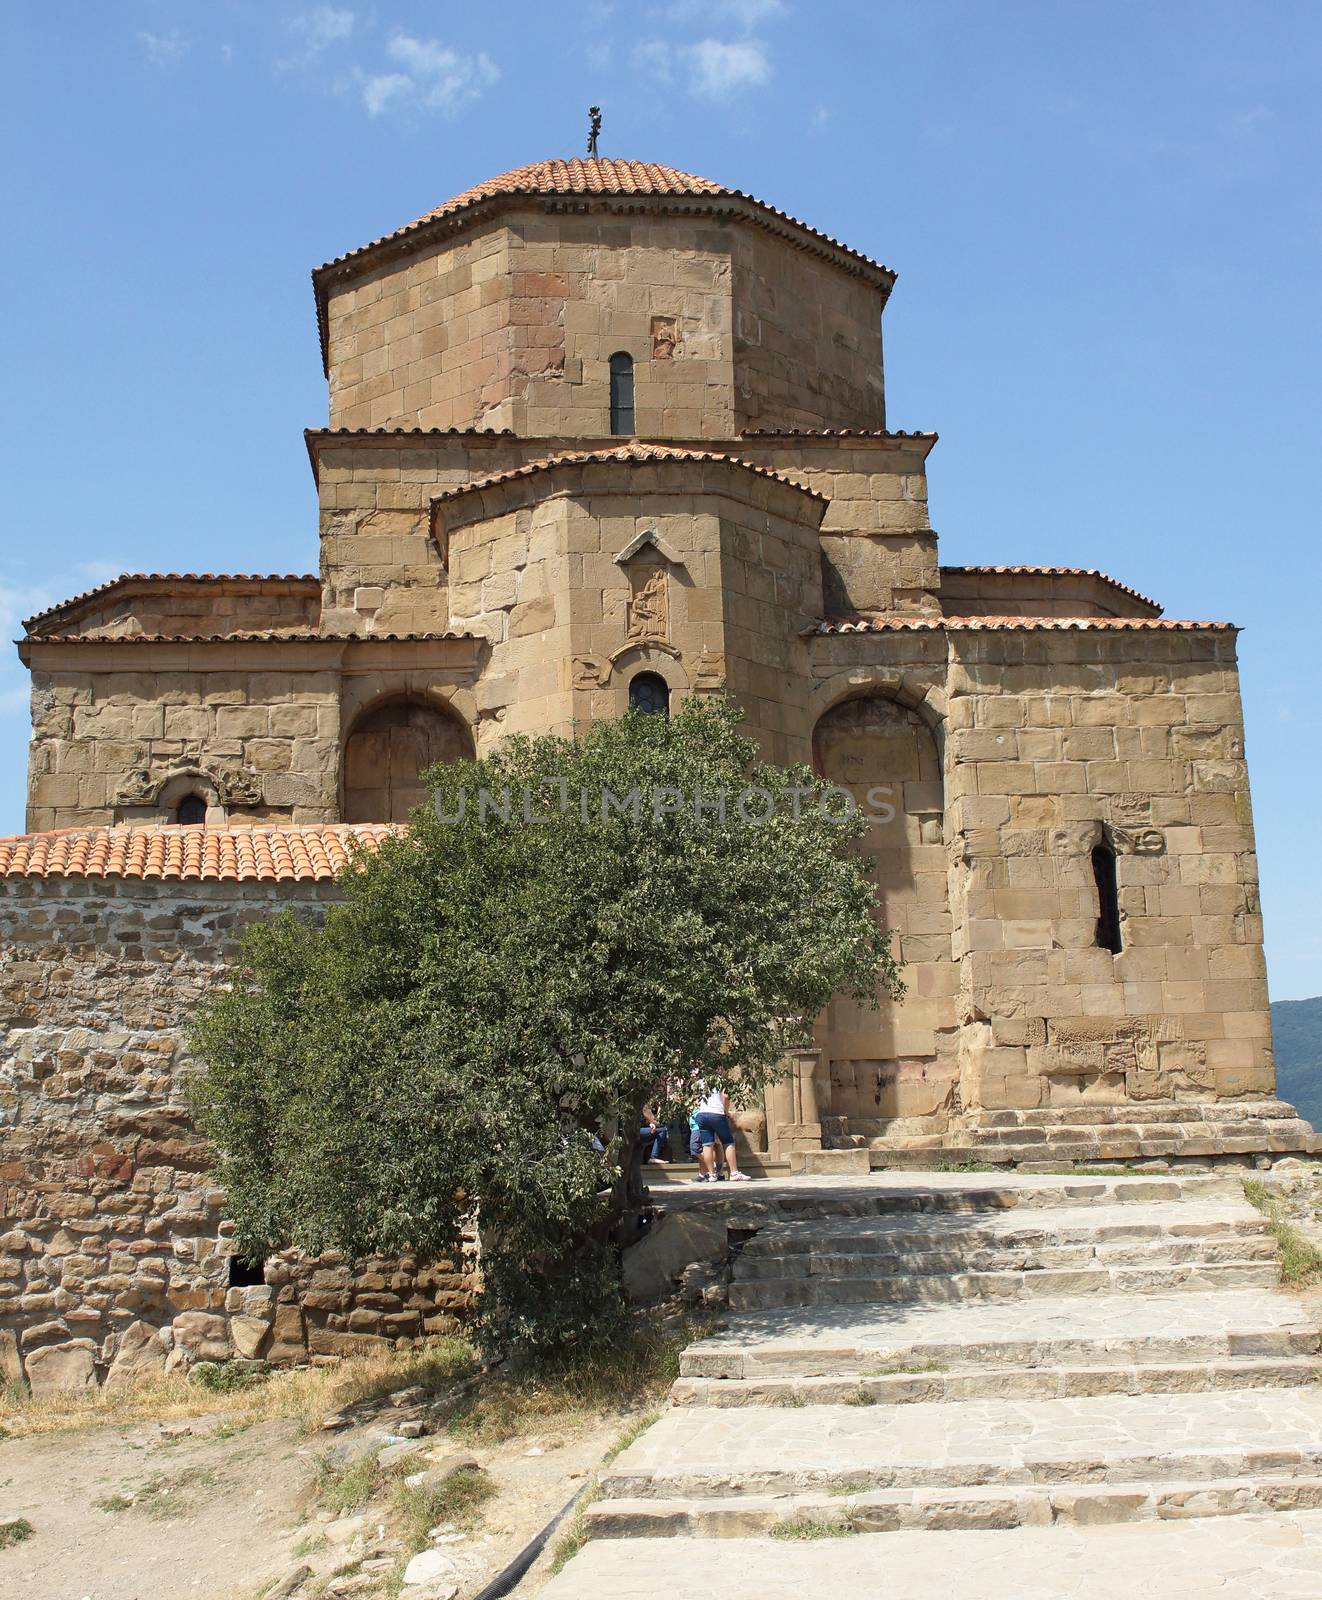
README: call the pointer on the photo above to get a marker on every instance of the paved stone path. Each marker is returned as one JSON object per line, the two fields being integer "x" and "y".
{"x": 1238, "y": 1558}
{"x": 1035, "y": 1386}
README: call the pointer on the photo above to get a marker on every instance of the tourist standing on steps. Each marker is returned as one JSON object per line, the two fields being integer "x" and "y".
{"x": 714, "y": 1127}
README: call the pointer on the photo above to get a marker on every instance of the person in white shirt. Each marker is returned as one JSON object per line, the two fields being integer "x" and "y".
{"x": 713, "y": 1124}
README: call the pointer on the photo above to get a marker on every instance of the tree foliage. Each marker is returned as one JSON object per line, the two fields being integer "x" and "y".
{"x": 501, "y": 989}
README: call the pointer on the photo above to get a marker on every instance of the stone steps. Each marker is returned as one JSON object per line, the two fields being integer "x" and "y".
{"x": 1135, "y": 1114}
{"x": 1058, "y": 1226}
{"x": 1032, "y": 1386}
{"x": 1249, "y": 1557}
{"x": 1009, "y": 1257}
{"x": 1154, "y": 1439}
{"x": 1022, "y": 1382}
{"x": 927, "y": 1194}
{"x": 948, "y": 1509}
{"x": 901, "y": 1288}
{"x": 1042, "y": 1332}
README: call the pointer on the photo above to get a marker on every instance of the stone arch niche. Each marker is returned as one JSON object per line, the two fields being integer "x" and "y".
{"x": 388, "y": 746}
{"x": 893, "y": 1072}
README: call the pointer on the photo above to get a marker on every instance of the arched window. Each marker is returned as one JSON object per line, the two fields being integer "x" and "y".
{"x": 1108, "y": 898}
{"x": 191, "y": 811}
{"x": 386, "y": 751}
{"x": 622, "y": 392}
{"x": 649, "y": 692}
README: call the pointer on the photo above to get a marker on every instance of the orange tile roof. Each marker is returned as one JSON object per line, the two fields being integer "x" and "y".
{"x": 269, "y": 636}
{"x": 127, "y": 579}
{"x": 932, "y": 624}
{"x": 1060, "y": 572}
{"x": 635, "y": 452}
{"x": 597, "y": 176}
{"x": 151, "y": 850}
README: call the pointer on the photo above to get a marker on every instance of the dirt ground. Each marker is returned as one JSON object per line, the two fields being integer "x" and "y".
{"x": 216, "y": 1509}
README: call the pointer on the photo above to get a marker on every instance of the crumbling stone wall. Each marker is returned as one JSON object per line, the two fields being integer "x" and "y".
{"x": 117, "y": 1257}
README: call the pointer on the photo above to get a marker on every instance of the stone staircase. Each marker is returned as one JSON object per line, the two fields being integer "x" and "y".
{"x": 1170, "y": 1133}
{"x": 944, "y": 1385}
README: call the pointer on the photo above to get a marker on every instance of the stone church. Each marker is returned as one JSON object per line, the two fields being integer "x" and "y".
{"x": 601, "y": 434}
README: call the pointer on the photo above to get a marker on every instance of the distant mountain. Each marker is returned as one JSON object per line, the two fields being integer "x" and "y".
{"x": 1297, "y": 1032}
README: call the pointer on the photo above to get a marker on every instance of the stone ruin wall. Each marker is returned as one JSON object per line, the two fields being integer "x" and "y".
{"x": 115, "y": 1255}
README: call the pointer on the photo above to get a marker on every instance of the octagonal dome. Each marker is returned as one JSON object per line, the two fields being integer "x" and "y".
{"x": 502, "y": 307}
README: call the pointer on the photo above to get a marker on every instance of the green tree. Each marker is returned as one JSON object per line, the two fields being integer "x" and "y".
{"x": 575, "y": 927}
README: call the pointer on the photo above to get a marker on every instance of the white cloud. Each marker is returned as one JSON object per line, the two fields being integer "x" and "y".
{"x": 1254, "y": 117}
{"x": 381, "y": 91}
{"x": 315, "y": 32}
{"x": 429, "y": 75}
{"x": 711, "y": 68}
{"x": 718, "y": 69}
{"x": 322, "y": 26}
{"x": 164, "y": 49}
{"x": 745, "y": 13}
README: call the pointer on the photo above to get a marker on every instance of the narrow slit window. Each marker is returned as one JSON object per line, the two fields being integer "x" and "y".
{"x": 622, "y": 392}
{"x": 191, "y": 811}
{"x": 650, "y": 693}
{"x": 1108, "y": 899}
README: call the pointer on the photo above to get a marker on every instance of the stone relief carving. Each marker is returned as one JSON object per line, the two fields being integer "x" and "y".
{"x": 234, "y": 786}
{"x": 1144, "y": 1058}
{"x": 649, "y": 606}
{"x": 239, "y": 786}
{"x": 1131, "y": 810}
{"x": 1138, "y": 841}
{"x": 709, "y": 672}
{"x": 1079, "y": 838}
{"x": 1075, "y": 840}
{"x": 590, "y": 672}
{"x": 665, "y": 338}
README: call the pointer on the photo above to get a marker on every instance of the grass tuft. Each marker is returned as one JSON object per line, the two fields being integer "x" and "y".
{"x": 814, "y": 1528}
{"x": 15, "y": 1532}
{"x": 303, "y": 1394}
{"x": 347, "y": 1488}
{"x": 635, "y": 1374}
{"x": 1300, "y": 1258}
{"x": 902, "y": 1369}
{"x": 415, "y": 1510}
{"x": 854, "y": 1485}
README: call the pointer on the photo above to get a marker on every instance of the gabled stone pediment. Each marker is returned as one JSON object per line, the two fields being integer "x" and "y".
{"x": 649, "y": 537}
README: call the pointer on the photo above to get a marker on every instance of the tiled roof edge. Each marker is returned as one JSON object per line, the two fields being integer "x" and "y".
{"x": 294, "y": 636}
{"x": 1029, "y": 570}
{"x": 465, "y": 204}
{"x": 103, "y": 589}
{"x": 635, "y": 454}
{"x": 168, "y": 852}
{"x": 922, "y": 624}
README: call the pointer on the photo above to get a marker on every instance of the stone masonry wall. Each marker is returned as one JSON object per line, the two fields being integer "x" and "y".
{"x": 807, "y": 340}
{"x": 104, "y": 738}
{"x": 1063, "y": 742}
{"x": 383, "y": 573}
{"x": 257, "y": 728}
{"x": 116, "y": 1254}
{"x": 512, "y": 325}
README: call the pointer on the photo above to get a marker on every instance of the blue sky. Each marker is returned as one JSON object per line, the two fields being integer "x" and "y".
{"x": 1105, "y": 219}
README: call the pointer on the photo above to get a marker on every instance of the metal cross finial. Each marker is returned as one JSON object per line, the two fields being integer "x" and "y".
{"x": 594, "y": 128}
